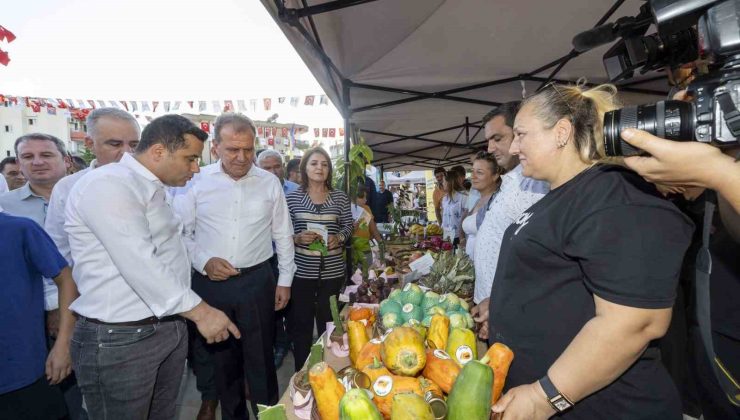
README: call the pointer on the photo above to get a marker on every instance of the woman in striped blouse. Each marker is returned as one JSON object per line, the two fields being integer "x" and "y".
{"x": 318, "y": 276}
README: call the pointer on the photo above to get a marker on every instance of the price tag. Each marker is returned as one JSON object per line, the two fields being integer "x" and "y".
{"x": 423, "y": 265}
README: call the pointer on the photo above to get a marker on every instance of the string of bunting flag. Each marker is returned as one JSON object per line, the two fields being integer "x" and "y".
{"x": 213, "y": 106}
{"x": 79, "y": 109}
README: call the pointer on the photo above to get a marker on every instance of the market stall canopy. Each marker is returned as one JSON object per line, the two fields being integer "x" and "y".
{"x": 416, "y": 76}
{"x": 413, "y": 177}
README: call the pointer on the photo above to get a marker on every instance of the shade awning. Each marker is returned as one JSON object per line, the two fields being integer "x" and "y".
{"x": 416, "y": 76}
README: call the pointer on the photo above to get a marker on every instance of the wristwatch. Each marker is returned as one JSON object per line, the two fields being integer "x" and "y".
{"x": 557, "y": 400}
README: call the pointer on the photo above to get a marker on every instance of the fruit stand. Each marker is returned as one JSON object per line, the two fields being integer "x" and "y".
{"x": 402, "y": 348}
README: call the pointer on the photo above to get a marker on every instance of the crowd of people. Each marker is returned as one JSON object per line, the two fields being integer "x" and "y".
{"x": 117, "y": 273}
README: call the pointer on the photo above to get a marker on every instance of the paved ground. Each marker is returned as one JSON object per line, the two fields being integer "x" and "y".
{"x": 188, "y": 402}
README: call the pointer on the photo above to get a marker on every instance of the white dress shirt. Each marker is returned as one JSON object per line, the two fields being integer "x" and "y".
{"x": 130, "y": 260}
{"x": 54, "y": 226}
{"x": 237, "y": 220}
{"x": 517, "y": 193}
{"x": 3, "y": 184}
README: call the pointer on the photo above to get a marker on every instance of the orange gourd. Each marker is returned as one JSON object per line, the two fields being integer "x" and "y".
{"x": 357, "y": 339}
{"x": 441, "y": 369}
{"x": 500, "y": 357}
{"x": 369, "y": 352}
{"x": 387, "y": 386}
{"x": 327, "y": 390}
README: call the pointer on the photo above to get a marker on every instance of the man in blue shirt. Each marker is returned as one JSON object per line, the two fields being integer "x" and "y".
{"x": 26, "y": 255}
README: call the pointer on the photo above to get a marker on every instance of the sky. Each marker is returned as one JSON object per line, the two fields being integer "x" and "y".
{"x": 154, "y": 50}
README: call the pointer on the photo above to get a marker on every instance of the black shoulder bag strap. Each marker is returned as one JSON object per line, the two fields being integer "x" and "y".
{"x": 703, "y": 309}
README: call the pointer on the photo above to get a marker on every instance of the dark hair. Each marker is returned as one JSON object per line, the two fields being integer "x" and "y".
{"x": 508, "y": 110}
{"x": 304, "y": 163}
{"x": 239, "y": 122}
{"x": 169, "y": 131}
{"x": 10, "y": 160}
{"x": 491, "y": 159}
{"x": 41, "y": 136}
{"x": 78, "y": 162}
{"x": 293, "y": 165}
{"x": 454, "y": 181}
{"x": 439, "y": 170}
{"x": 458, "y": 170}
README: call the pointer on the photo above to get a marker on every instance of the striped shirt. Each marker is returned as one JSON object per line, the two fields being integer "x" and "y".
{"x": 335, "y": 214}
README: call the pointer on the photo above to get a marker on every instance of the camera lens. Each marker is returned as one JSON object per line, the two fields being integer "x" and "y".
{"x": 671, "y": 120}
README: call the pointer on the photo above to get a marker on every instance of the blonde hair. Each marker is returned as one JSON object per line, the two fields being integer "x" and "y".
{"x": 585, "y": 110}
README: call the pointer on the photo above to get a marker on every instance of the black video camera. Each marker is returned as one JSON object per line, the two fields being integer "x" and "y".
{"x": 687, "y": 30}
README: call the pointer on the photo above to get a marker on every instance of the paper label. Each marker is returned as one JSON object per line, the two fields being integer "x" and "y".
{"x": 464, "y": 354}
{"x": 422, "y": 265}
{"x": 320, "y": 229}
{"x": 383, "y": 386}
{"x": 441, "y": 354}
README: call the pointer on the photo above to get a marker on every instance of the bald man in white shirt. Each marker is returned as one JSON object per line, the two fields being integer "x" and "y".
{"x": 133, "y": 274}
{"x": 232, "y": 212}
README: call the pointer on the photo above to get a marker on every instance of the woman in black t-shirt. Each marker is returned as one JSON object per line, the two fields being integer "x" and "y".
{"x": 587, "y": 276}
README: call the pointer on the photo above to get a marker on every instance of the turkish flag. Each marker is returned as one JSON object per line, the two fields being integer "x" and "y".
{"x": 324, "y": 132}
{"x": 315, "y": 132}
{"x": 260, "y": 131}
{"x": 268, "y": 103}
{"x": 6, "y": 35}
{"x": 228, "y": 106}
{"x": 285, "y": 131}
{"x": 271, "y": 141}
{"x": 341, "y": 132}
{"x": 332, "y": 132}
{"x": 205, "y": 126}
{"x": 61, "y": 105}
{"x": 35, "y": 106}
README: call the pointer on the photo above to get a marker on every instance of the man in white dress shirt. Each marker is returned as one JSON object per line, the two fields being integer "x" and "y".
{"x": 232, "y": 213}
{"x": 133, "y": 274}
{"x": 516, "y": 194}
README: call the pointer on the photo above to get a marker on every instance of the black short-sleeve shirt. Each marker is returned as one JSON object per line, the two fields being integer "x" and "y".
{"x": 606, "y": 232}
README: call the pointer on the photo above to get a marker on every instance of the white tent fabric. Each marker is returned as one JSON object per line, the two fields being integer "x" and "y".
{"x": 427, "y": 46}
{"x": 413, "y": 177}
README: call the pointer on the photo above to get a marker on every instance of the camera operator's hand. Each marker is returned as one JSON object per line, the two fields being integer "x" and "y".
{"x": 685, "y": 164}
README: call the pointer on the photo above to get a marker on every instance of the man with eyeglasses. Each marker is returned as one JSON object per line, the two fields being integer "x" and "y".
{"x": 516, "y": 194}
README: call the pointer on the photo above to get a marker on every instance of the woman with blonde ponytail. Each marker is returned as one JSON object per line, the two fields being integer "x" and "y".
{"x": 586, "y": 276}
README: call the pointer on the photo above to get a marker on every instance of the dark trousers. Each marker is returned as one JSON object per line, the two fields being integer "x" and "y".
{"x": 309, "y": 302}
{"x": 130, "y": 372}
{"x": 249, "y": 301}
{"x": 200, "y": 359}
{"x": 38, "y": 401}
{"x": 282, "y": 341}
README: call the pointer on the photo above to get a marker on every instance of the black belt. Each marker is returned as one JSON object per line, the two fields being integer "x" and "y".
{"x": 248, "y": 270}
{"x": 146, "y": 321}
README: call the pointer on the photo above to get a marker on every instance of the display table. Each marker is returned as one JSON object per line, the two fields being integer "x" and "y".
{"x": 338, "y": 363}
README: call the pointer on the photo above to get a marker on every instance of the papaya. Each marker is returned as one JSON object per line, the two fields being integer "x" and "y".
{"x": 441, "y": 369}
{"x": 500, "y": 358}
{"x": 356, "y": 405}
{"x": 357, "y": 314}
{"x": 462, "y": 345}
{"x": 386, "y": 387}
{"x": 369, "y": 352}
{"x": 327, "y": 390}
{"x": 439, "y": 330}
{"x": 470, "y": 398}
{"x": 357, "y": 339}
{"x": 409, "y": 406}
{"x": 402, "y": 351}
{"x": 375, "y": 370}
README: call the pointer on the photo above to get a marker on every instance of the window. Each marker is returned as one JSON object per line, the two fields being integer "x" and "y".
{"x": 7, "y": 153}
{"x": 31, "y": 121}
{"x": 8, "y": 128}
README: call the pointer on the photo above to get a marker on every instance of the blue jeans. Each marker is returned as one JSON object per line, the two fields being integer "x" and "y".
{"x": 129, "y": 372}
